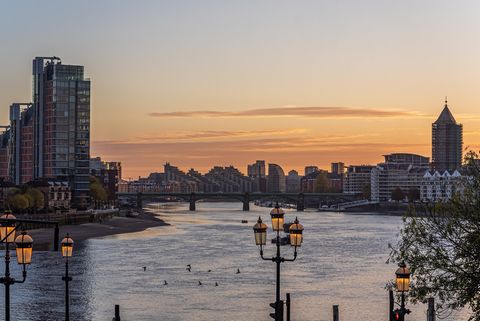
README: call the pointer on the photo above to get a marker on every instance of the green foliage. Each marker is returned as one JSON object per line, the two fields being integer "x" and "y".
{"x": 97, "y": 191}
{"x": 21, "y": 199}
{"x": 18, "y": 202}
{"x": 37, "y": 198}
{"x": 322, "y": 184}
{"x": 397, "y": 194}
{"x": 442, "y": 248}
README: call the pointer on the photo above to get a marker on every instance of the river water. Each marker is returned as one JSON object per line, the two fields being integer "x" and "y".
{"x": 342, "y": 261}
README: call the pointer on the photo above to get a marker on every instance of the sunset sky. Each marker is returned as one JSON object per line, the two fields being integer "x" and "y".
{"x": 203, "y": 83}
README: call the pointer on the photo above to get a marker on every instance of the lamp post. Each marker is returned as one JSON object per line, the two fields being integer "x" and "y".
{"x": 403, "y": 285}
{"x": 67, "y": 251}
{"x": 296, "y": 239}
{"x": 24, "y": 244}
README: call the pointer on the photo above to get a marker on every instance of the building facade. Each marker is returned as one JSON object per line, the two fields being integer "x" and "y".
{"x": 399, "y": 170}
{"x": 292, "y": 182}
{"x": 440, "y": 187}
{"x": 50, "y": 137}
{"x": 256, "y": 171}
{"x": 447, "y": 142}
{"x": 276, "y": 179}
{"x": 357, "y": 179}
{"x": 109, "y": 174}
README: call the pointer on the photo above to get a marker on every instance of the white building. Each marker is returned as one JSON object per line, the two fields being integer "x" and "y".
{"x": 400, "y": 170}
{"x": 440, "y": 187}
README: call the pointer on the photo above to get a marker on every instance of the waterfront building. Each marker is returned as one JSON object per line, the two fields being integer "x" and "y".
{"x": 276, "y": 179}
{"x": 57, "y": 194}
{"x": 177, "y": 180}
{"x": 21, "y": 144}
{"x": 357, "y": 179}
{"x": 309, "y": 182}
{"x": 310, "y": 169}
{"x": 50, "y": 137}
{"x": 61, "y": 131}
{"x": 123, "y": 186}
{"x": 292, "y": 182}
{"x": 338, "y": 168}
{"x": 108, "y": 173}
{"x": 256, "y": 171}
{"x": 399, "y": 170}
{"x": 447, "y": 142}
{"x": 440, "y": 187}
{"x": 4, "y": 144}
{"x": 230, "y": 179}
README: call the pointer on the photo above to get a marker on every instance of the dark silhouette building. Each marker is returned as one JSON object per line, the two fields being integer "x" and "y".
{"x": 447, "y": 142}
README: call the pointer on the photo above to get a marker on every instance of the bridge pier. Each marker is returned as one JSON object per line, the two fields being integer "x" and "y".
{"x": 139, "y": 201}
{"x": 300, "y": 202}
{"x": 192, "y": 202}
{"x": 246, "y": 202}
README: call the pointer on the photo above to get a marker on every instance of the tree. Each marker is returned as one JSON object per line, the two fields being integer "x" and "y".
{"x": 17, "y": 202}
{"x": 442, "y": 247}
{"x": 322, "y": 184}
{"x": 97, "y": 191}
{"x": 38, "y": 199}
{"x": 413, "y": 195}
{"x": 397, "y": 194}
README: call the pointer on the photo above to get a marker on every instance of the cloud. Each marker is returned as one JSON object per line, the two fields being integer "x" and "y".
{"x": 308, "y": 112}
{"x": 294, "y": 151}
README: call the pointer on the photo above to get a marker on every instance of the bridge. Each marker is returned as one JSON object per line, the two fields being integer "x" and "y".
{"x": 245, "y": 198}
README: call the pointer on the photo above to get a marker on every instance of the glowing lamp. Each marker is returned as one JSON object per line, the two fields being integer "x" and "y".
{"x": 278, "y": 218}
{"x": 260, "y": 231}
{"x": 67, "y": 246}
{"x": 7, "y": 229}
{"x": 24, "y": 248}
{"x": 296, "y": 233}
{"x": 403, "y": 277}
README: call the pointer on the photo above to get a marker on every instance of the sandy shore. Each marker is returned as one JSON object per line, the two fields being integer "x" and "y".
{"x": 43, "y": 238}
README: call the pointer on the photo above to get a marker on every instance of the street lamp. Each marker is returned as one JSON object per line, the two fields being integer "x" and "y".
{"x": 24, "y": 245}
{"x": 403, "y": 285}
{"x": 296, "y": 239}
{"x": 67, "y": 251}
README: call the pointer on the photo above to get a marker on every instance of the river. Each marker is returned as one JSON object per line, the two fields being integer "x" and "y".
{"x": 342, "y": 261}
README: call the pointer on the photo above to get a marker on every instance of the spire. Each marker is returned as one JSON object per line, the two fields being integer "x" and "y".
{"x": 446, "y": 116}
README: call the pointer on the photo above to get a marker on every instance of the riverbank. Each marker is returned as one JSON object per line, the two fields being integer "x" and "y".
{"x": 43, "y": 238}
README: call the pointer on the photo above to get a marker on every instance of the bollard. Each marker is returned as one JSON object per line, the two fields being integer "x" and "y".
{"x": 287, "y": 303}
{"x": 431, "y": 310}
{"x": 335, "y": 313}
{"x": 117, "y": 313}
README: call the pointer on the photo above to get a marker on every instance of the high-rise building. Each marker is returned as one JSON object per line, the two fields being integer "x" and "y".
{"x": 20, "y": 166}
{"x": 276, "y": 179}
{"x": 50, "y": 137}
{"x": 292, "y": 182}
{"x": 256, "y": 171}
{"x": 61, "y": 131}
{"x": 338, "y": 168}
{"x": 447, "y": 142}
{"x": 310, "y": 169}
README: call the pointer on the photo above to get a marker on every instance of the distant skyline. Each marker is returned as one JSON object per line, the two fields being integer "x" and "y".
{"x": 202, "y": 83}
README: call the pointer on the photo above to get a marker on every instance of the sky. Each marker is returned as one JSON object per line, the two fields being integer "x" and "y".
{"x": 296, "y": 83}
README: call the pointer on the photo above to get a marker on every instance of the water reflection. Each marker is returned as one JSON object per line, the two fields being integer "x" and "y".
{"x": 342, "y": 261}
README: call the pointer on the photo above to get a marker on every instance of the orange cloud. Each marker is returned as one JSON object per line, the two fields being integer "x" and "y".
{"x": 311, "y": 112}
{"x": 291, "y": 151}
